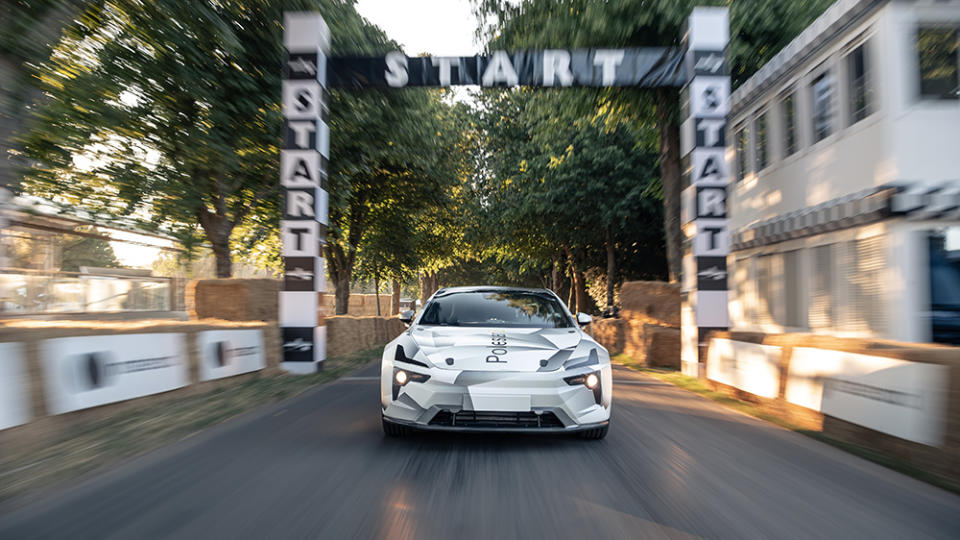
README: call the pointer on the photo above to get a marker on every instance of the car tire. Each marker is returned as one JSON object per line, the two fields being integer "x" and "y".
{"x": 393, "y": 430}
{"x": 595, "y": 434}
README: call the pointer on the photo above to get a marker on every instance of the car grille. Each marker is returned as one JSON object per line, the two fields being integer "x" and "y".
{"x": 492, "y": 419}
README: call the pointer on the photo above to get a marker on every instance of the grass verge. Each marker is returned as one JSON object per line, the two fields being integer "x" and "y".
{"x": 697, "y": 386}
{"x": 91, "y": 445}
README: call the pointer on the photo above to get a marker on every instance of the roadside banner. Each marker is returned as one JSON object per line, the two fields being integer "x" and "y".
{"x": 225, "y": 353}
{"x": 751, "y": 367}
{"x": 897, "y": 397}
{"x": 14, "y": 386}
{"x": 88, "y": 371}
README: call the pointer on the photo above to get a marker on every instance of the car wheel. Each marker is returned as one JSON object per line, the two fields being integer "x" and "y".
{"x": 595, "y": 434}
{"x": 393, "y": 430}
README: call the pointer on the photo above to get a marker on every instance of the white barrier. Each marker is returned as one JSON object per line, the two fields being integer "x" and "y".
{"x": 748, "y": 366}
{"x": 89, "y": 371}
{"x": 225, "y": 353}
{"x": 14, "y": 386}
{"x": 897, "y": 397}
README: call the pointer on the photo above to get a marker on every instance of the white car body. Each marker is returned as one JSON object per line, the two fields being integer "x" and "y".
{"x": 496, "y": 378}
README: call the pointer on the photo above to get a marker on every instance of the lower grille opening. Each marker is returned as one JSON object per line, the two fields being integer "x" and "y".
{"x": 496, "y": 419}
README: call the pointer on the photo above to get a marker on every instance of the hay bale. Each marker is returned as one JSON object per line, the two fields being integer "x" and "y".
{"x": 609, "y": 333}
{"x": 654, "y": 302}
{"x": 662, "y": 346}
{"x": 233, "y": 299}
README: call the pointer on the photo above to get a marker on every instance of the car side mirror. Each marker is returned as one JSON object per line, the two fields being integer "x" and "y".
{"x": 583, "y": 319}
{"x": 407, "y": 317}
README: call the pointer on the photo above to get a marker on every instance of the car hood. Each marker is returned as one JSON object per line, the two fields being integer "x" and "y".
{"x": 499, "y": 349}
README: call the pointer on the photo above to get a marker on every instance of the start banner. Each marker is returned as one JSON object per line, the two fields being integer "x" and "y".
{"x": 638, "y": 67}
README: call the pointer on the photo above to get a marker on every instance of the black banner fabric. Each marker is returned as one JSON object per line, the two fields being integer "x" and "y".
{"x": 639, "y": 67}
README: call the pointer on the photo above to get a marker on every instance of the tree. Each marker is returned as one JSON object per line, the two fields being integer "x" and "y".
{"x": 759, "y": 29}
{"x": 164, "y": 110}
{"x": 77, "y": 251}
{"x": 391, "y": 169}
{"x": 28, "y": 30}
{"x": 564, "y": 185}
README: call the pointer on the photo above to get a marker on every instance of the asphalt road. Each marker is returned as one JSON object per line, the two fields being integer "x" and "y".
{"x": 674, "y": 466}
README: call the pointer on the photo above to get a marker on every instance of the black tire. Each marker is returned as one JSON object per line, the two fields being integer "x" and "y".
{"x": 393, "y": 430}
{"x": 595, "y": 434}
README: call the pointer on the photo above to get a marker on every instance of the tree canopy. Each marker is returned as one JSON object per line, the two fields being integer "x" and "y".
{"x": 167, "y": 113}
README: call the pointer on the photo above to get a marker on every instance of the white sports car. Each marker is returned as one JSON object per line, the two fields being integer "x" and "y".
{"x": 496, "y": 359}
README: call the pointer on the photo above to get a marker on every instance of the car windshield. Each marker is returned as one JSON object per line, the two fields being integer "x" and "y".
{"x": 517, "y": 309}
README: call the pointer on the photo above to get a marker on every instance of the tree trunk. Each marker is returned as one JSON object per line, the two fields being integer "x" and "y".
{"x": 611, "y": 267}
{"x": 224, "y": 264}
{"x": 395, "y": 303}
{"x": 340, "y": 268}
{"x": 555, "y": 276}
{"x": 583, "y": 302}
{"x": 376, "y": 286}
{"x": 342, "y": 293}
{"x": 425, "y": 291}
{"x": 571, "y": 294}
{"x": 434, "y": 283}
{"x": 218, "y": 229}
{"x": 667, "y": 112}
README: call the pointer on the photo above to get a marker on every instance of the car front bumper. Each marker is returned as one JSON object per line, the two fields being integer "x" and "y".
{"x": 453, "y": 400}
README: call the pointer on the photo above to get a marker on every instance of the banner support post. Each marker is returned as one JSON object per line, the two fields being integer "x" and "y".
{"x": 303, "y": 178}
{"x": 705, "y": 100}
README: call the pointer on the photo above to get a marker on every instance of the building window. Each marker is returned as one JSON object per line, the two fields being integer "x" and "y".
{"x": 760, "y": 134}
{"x": 822, "y": 288}
{"x": 742, "y": 164}
{"x": 769, "y": 288}
{"x": 789, "y": 108}
{"x": 793, "y": 303}
{"x": 863, "y": 266}
{"x": 944, "y": 253}
{"x": 822, "y": 93}
{"x": 859, "y": 80}
{"x": 938, "y": 62}
{"x": 746, "y": 277}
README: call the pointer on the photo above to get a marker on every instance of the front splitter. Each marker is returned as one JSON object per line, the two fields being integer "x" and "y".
{"x": 462, "y": 429}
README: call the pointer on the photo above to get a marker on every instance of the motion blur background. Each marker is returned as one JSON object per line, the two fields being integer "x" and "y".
{"x": 139, "y": 196}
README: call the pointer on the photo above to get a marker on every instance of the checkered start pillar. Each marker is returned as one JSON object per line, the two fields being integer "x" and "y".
{"x": 303, "y": 177}
{"x": 705, "y": 101}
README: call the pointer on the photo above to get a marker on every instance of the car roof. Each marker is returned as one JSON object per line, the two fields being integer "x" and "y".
{"x": 489, "y": 288}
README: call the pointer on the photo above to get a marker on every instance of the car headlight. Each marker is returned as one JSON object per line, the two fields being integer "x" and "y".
{"x": 402, "y": 377}
{"x": 591, "y": 381}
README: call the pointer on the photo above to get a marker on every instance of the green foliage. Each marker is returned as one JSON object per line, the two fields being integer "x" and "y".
{"x": 557, "y": 178}
{"x": 759, "y": 28}
{"x": 166, "y": 111}
{"x": 77, "y": 251}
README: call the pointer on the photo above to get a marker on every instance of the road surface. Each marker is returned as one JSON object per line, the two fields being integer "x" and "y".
{"x": 674, "y": 466}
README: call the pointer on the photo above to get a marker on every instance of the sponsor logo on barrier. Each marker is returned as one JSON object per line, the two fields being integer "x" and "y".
{"x": 88, "y": 371}
{"x": 901, "y": 398}
{"x": 299, "y": 345}
{"x": 225, "y": 353}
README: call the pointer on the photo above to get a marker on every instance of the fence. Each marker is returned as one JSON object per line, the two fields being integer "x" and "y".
{"x": 28, "y": 292}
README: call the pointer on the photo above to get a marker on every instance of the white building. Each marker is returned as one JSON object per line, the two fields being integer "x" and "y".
{"x": 845, "y": 202}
